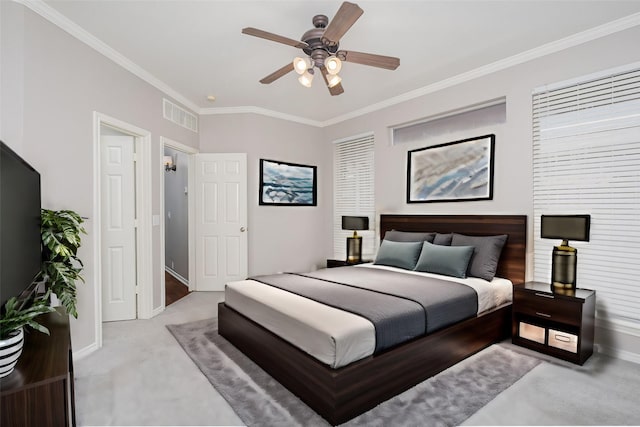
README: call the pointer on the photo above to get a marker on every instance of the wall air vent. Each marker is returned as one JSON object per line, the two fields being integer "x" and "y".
{"x": 179, "y": 115}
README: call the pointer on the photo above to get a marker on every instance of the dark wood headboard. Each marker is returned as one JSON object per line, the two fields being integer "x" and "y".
{"x": 513, "y": 260}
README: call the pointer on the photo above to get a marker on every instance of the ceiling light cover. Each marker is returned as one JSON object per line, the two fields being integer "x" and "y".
{"x": 301, "y": 65}
{"x": 333, "y": 80}
{"x": 333, "y": 65}
{"x": 306, "y": 79}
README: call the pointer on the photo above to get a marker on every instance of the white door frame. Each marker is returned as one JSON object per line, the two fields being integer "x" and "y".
{"x": 144, "y": 247}
{"x": 166, "y": 142}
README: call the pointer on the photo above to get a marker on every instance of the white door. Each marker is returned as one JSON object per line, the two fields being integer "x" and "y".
{"x": 220, "y": 219}
{"x": 118, "y": 234}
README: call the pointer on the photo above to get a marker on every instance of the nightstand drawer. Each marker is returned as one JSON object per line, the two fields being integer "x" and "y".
{"x": 546, "y": 306}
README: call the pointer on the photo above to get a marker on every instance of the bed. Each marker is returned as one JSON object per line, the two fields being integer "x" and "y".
{"x": 339, "y": 394}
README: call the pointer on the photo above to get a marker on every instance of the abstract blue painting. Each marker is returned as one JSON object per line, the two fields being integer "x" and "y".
{"x": 287, "y": 184}
{"x": 451, "y": 172}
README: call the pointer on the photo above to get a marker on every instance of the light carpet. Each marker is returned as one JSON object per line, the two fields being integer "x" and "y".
{"x": 446, "y": 399}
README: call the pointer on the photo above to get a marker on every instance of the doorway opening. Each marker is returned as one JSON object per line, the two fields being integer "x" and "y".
{"x": 176, "y": 225}
{"x": 122, "y": 205}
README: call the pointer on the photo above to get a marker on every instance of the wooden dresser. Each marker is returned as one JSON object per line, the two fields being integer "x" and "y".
{"x": 39, "y": 392}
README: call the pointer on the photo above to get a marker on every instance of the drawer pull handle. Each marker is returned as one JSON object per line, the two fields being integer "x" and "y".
{"x": 544, "y": 295}
{"x": 543, "y": 314}
{"x": 563, "y": 338}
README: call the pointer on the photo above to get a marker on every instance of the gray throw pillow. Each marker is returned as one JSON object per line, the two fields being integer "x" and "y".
{"x": 408, "y": 236}
{"x": 398, "y": 254}
{"x": 447, "y": 260}
{"x": 486, "y": 255}
{"x": 442, "y": 239}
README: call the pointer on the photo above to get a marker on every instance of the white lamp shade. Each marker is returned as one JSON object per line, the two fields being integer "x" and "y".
{"x": 333, "y": 65}
{"x": 301, "y": 65}
{"x": 167, "y": 161}
{"x": 306, "y": 79}
{"x": 333, "y": 80}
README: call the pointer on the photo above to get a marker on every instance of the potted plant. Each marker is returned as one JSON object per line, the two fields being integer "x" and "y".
{"x": 61, "y": 266}
{"x": 12, "y": 324}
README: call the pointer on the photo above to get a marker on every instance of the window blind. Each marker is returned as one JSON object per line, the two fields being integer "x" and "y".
{"x": 353, "y": 191}
{"x": 586, "y": 160}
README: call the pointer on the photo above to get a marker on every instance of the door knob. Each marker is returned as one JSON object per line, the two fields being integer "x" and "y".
{"x": 242, "y": 229}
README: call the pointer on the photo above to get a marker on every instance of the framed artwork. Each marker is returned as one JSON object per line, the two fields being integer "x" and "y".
{"x": 452, "y": 172}
{"x": 287, "y": 184}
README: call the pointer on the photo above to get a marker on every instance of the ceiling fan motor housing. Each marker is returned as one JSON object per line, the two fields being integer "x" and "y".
{"x": 317, "y": 50}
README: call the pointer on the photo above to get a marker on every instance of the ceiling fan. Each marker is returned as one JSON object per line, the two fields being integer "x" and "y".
{"x": 320, "y": 44}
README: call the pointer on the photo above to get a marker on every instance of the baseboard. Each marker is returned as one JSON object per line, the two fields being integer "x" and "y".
{"x": 618, "y": 338}
{"x": 157, "y": 311}
{"x": 84, "y": 352}
{"x": 177, "y": 276}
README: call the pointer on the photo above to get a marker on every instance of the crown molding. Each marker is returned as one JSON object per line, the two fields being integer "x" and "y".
{"x": 56, "y": 18}
{"x": 263, "y": 112}
{"x": 47, "y": 12}
{"x": 520, "y": 58}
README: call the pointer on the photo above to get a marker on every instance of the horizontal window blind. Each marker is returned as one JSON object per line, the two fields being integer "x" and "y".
{"x": 586, "y": 160}
{"x": 353, "y": 189}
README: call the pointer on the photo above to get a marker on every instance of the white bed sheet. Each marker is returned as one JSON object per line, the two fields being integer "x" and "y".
{"x": 333, "y": 336}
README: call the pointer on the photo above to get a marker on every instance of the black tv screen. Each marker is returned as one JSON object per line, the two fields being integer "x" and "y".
{"x": 20, "y": 250}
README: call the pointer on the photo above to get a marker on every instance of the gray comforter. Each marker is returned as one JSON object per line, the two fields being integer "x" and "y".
{"x": 400, "y": 306}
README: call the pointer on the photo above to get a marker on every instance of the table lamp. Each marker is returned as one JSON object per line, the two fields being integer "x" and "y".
{"x": 564, "y": 257}
{"x": 354, "y": 243}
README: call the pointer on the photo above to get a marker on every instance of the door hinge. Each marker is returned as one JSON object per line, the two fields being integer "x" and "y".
{"x": 135, "y": 157}
{"x": 137, "y": 290}
{"x": 135, "y": 223}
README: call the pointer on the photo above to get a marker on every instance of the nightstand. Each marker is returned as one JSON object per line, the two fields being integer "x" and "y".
{"x": 558, "y": 324}
{"x": 342, "y": 263}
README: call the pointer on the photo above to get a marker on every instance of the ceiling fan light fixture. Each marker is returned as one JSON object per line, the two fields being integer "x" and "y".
{"x": 333, "y": 65}
{"x": 306, "y": 78}
{"x": 333, "y": 80}
{"x": 301, "y": 65}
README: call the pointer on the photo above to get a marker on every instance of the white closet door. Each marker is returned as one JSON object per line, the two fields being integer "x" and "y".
{"x": 220, "y": 220}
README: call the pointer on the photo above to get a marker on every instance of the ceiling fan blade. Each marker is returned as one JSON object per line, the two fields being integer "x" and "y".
{"x": 335, "y": 90}
{"x": 380, "y": 61}
{"x": 274, "y": 37}
{"x": 277, "y": 74}
{"x": 341, "y": 22}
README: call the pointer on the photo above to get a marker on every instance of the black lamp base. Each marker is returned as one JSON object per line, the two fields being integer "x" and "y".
{"x": 354, "y": 250}
{"x": 563, "y": 267}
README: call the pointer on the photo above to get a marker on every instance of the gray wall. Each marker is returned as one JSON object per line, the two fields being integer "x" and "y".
{"x": 56, "y": 84}
{"x": 52, "y": 83}
{"x": 295, "y": 238}
{"x": 176, "y": 214}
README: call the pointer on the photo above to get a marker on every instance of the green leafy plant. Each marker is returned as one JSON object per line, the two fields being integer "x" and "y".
{"x": 16, "y": 317}
{"x": 61, "y": 266}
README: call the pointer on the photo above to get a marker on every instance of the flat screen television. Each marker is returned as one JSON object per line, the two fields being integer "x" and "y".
{"x": 20, "y": 248}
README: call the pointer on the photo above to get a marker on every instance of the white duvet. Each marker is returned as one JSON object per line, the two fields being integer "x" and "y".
{"x": 333, "y": 336}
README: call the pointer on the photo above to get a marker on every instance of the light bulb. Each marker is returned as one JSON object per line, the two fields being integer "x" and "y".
{"x": 300, "y": 65}
{"x": 333, "y": 65}
{"x": 333, "y": 80}
{"x": 306, "y": 79}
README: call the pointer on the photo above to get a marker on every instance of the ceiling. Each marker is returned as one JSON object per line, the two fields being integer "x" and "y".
{"x": 196, "y": 49}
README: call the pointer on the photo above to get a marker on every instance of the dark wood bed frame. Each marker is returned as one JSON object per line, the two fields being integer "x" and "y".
{"x": 341, "y": 394}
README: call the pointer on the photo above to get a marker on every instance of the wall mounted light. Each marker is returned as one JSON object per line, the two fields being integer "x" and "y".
{"x": 169, "y": 164}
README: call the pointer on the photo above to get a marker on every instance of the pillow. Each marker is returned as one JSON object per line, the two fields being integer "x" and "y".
{"x": 447, "y": 260}
{"x": 442, "y": 239}
{"x": 398, "y": 254}
{"x": 484, "y": 262}
{"x": 408, "y": 236}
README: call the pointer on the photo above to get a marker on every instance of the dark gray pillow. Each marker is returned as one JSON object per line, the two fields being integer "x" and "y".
{"x": 408, "y": 236}
{"x": 486, "y": 255}
{"x": 442, "y": 239}
{"x": 398, "y": 254}
{"x": 447, "y": 260}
